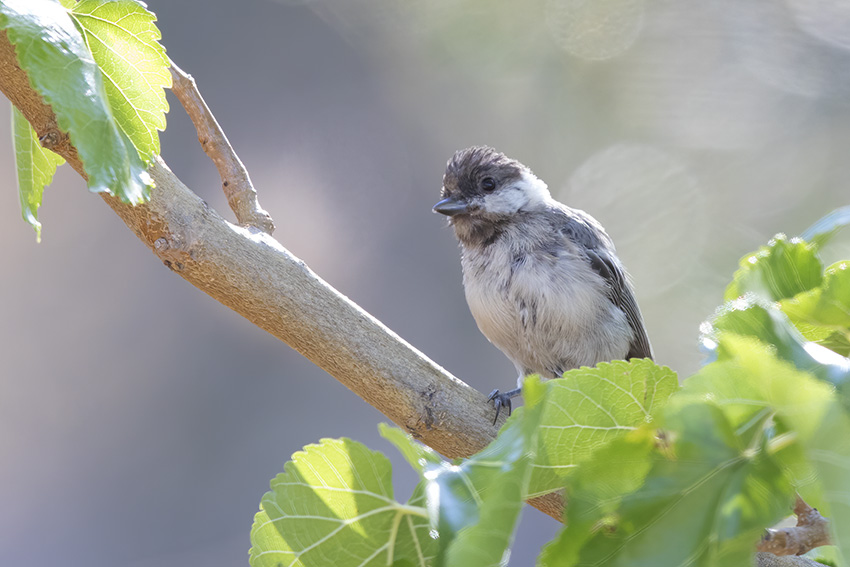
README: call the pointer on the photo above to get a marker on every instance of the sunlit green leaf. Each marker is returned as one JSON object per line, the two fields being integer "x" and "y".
{"x": 333, "y": 505}
{"x": 781, "y": 269}
{"x": 822, "y": 314}
{"x": 748, "y": 316}
{"x": 709, "y": 482}
{"x": 811, "y": 437}
{"x": 415, "y": 542}
{"x": 835, "y": 340}
{"x": 477, "y": 502}
{"x": 589, "y": 408}
{"x": 35, "y": 166}
{"x": 827, "y": 305}
{"x": 596, "y": 491}
{"x": 414, "y": 545}
{"x": 124, "y": 42}
{"x": 52, "y": 51}
{"x": 838, "y": 342}
{"x": 418, "y": 455}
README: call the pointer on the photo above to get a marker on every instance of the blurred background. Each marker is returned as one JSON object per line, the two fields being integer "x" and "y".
{"x": 140, "y": 421}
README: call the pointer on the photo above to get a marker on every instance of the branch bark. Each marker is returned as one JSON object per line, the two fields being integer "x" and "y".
{"x": 250, "y": 272}
{"x": 811, "y": 531}
{"x": 235, "y": 181}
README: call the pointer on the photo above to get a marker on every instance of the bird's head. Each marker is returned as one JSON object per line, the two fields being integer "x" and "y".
{"x": 483, "y": 188}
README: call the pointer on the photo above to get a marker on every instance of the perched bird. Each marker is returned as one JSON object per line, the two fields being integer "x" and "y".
{"x": 542, "y": 280}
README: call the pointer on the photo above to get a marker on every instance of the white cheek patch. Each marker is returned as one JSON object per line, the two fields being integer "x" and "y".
{"x": 528, "y": 192}
{"x": 536, "y": 190}
{"x": 505, "y": 201}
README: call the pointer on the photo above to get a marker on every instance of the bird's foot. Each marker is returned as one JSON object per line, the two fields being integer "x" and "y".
{"x": 502, "y": 399}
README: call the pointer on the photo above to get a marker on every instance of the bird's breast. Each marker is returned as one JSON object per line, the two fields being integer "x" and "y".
{"x": 546, "y": 310}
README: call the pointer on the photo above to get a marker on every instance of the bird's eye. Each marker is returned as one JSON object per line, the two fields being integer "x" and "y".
{"x": 488, "y": 184}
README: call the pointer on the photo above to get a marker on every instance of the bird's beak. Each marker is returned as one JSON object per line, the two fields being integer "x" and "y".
{"x": 451, "y": 207}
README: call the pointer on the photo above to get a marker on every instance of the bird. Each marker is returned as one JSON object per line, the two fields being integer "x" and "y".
{"x": 542, "y": 280}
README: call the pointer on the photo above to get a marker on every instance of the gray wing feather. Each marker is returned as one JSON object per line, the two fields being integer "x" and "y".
{"x": 584, "y": 230}
{"x": 622, "y": 295}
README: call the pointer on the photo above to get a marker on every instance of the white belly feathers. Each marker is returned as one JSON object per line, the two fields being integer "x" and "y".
{"x": 549, "y": 332}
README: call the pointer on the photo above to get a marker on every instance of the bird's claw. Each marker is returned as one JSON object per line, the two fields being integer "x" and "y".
{"x": 499, "y": 400}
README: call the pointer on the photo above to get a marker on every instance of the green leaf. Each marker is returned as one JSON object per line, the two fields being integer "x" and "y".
{"x": 596, "y": 491}
{"x": 822, "y": 314}
{"x": 748, "y": 316}
{"x": 35, "y": 166}
{"x": 415, "y": 545}
{"x": 779, "y": 270}
{"x": 589, "y": 408}
{"x": 476, "y": 504}
{"x": 709, "y": 482}
{"x": 59, "y": 66}
{"x": 811, "y": 438}
{"x": 418, "y": 455}
{"x": 410, "y": 548}
{"x": 825, "y": 438}
{"x": 828, "y": 305}
{"x": 826, "y": 555}
{"x": 838, "y": 341}
{"x": 824, "y": 229}
{"x": 712, "y": 497}
{"x": 124, "y": 42}
{"x": 333, "y": 505}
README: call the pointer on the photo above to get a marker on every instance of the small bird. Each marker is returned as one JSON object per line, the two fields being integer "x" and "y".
{"x": 542, "y": 280}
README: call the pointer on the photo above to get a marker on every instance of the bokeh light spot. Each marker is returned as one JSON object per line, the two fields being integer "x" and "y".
{"x": 651, "y": 206}
{"x": 595, "y": 29}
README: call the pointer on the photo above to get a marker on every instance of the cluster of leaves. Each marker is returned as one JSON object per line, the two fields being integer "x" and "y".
{"x": 654, "y": 473}
{"x": 99, "y": 65}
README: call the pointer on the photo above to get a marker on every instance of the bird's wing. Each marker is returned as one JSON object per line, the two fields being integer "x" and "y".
{"x": 599, "y": 250}
{"x": 623, "y": 296}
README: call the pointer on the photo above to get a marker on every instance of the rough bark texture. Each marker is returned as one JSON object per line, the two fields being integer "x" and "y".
{"x": 764, "y": 559}
{"x": 811, "y": 531}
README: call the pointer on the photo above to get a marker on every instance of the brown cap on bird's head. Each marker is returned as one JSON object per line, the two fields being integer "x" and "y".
{"x": 483, "y": 190}
{"x": 467, "y": 170}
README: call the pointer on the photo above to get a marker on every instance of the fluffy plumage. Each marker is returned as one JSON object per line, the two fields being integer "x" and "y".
{"x": 542, "y": 280}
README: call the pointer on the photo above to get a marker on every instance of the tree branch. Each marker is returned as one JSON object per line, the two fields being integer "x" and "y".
{"x": 769, "y": 560}
{"x": 254, "y": 275}
{"x": 811, "y": 531}
{"x": 237, "y": 186}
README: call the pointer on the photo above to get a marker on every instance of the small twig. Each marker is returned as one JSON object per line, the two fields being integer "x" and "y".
{"x": 240, "y": 193}
{"x": 811, "y": 531}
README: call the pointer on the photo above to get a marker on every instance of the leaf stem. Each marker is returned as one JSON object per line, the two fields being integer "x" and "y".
{"x": 402, "y": 511}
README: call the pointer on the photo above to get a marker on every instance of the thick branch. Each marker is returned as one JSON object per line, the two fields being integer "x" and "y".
{"x": 254, "y": 275}
{"x": 811, "y": 531}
